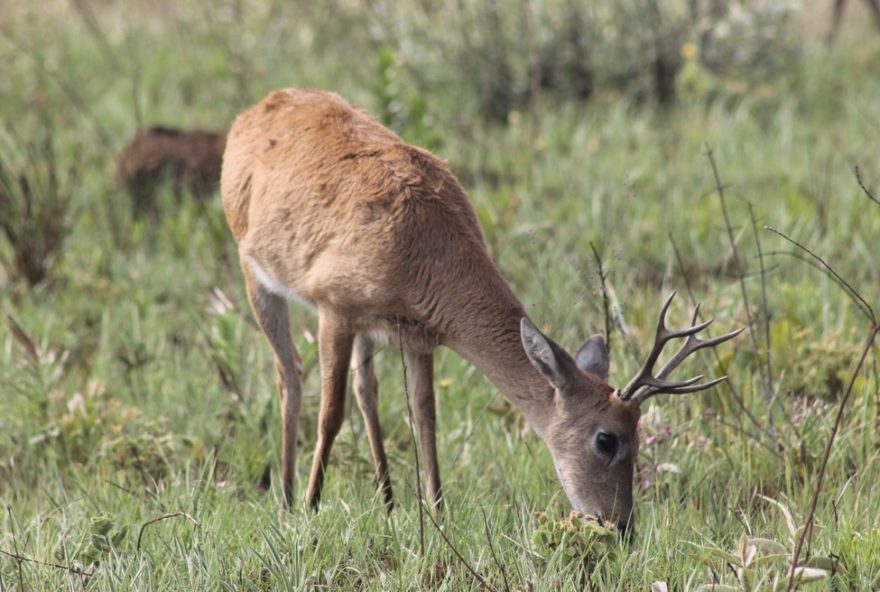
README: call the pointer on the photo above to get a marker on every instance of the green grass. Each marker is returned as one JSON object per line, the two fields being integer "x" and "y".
{"x": 126, "y": 416}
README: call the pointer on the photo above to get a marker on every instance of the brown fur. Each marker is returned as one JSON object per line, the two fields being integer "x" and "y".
{"x": 190, "y": 159}
{"x": 330, "y": 208}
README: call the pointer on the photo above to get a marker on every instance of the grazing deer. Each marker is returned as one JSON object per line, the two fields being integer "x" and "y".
{"x": 331, "y": 209}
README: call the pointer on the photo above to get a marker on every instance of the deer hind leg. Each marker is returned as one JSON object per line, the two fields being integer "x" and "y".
{"x": 272, "y": 317}
{"x": 335, "y": 339}
{"x": 366, "y": 390}
{"x": 420, "y": 371}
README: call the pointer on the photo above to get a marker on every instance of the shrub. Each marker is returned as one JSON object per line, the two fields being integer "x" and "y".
{"x": 499, "y": 56}
{"x": 36, "y": 190}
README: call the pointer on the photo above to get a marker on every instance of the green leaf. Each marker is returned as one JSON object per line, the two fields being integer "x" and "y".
{"x": 725, "y": 555}
{"x": 771, "y": 558}
{"x": 768, "y": 545}
{"x": 826, "y": 563}
{"x": 804, "y": 575}
{"x": 800, "y": 531}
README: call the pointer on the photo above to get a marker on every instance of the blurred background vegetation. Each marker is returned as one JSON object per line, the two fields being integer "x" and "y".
{"x": 133, "y": 382}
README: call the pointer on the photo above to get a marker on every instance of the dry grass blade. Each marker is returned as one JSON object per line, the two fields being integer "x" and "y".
{"x": 23, "y": 339}
{"x": 789, "y": 520}
{"x": 737, "y": 397}
{"x": 719, "y": 188}
{"x": 867, "y": 191}
{"x": 455, "y": 550}
{"x": 165, "y": 517}
{"x": 492, "y": 550}
{"x": 765, "y": 308}
{"x": 18, "y": 557}
{"x": 605, "y": 303}
{"x": 68, "y": 568}
{"x": 412, "y": 435}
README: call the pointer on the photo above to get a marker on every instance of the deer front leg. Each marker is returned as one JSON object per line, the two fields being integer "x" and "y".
{"x": 272, "y": 317}
{"x": 334, "y": 354}
{"x": 420, "y": 370}
{"x": 366, "y": 390}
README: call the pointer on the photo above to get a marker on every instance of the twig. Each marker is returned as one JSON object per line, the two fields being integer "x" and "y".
{"x": 605, "y": 304}
{"x": 145, "y": 477}
{"x": 121, "y": 488}
{"x": 458, "y": 554}
{"x": 765, "y": 310}
{"x": 166, "y": 517}
{"x": 737, "y": 397}
{"x": 860, "y": 302}
{"x": 808, "y": 525}
{"x": 719, "y": 188}
{"x": 822, "y": 270}
{"x": 68, "y": 568}
{"x": 765, "y": 314}
{"x": 492, "y": 549}
{"x": 412, "y": 435}
{"x": 867, "y": 191}
{"x": 24, "y": 339}
{"x": 18, "y": 559}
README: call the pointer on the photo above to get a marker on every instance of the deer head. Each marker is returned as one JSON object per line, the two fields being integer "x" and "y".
{"x": 592, "y": 429}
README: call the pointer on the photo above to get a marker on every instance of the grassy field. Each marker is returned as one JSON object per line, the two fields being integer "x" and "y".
{"x": 139, "y": 425}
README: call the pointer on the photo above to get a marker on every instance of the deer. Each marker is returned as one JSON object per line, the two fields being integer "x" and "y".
{"x": 332, "y": 210}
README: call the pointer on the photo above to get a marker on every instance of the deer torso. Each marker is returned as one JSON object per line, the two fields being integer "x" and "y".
{"x": 332, "y": 209}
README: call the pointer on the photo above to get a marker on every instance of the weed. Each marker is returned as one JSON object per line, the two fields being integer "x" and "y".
{"x": 37, "y": 186}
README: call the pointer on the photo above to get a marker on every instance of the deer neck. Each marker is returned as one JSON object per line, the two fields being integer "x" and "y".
{"x": 486, "y": 333}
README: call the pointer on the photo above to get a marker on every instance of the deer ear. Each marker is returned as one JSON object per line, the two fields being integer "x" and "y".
{"x": 592, "y": 357}
{"x": 543, "y": 356}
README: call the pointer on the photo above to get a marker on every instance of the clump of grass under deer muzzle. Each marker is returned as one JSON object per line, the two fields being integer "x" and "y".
{"x": 577, "y": 537}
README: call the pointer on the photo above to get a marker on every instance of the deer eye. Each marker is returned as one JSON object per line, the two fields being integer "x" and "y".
{"x": 606, "y": 444}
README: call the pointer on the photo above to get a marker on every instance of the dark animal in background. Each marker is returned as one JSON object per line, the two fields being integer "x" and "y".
{"x": 189, "y": 159}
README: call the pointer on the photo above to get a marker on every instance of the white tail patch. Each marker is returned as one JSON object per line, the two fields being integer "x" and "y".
{"x": 274, "y": 286}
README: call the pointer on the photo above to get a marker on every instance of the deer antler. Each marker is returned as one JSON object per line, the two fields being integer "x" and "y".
{"x": 644, "y": 384}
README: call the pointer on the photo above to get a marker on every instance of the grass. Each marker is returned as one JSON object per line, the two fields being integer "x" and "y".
{"x": 139, "y": 387}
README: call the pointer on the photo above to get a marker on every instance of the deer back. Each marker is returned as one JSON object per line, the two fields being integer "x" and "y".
{"x": 342, "y": 212}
